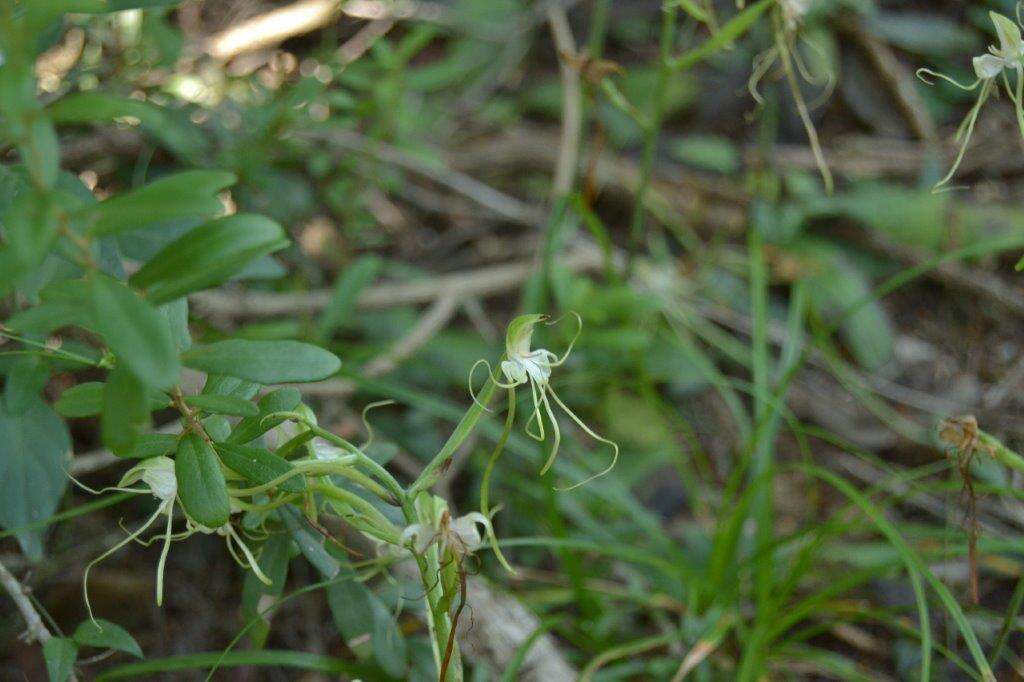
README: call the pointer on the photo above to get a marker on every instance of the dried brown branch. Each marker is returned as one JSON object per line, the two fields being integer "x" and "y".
{"x": 479, "y": 283}
{"x": 36, "y": 628}
{"x": 572, "y": 111}
{"x": 898, "y": 78}
{"x": 303, "y": 17}
{"x": 502, "y": 204}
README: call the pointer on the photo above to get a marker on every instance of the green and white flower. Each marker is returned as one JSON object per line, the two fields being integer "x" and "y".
{"x": 794, "y": 10}
{"x": 158, "y": 476}
{"x": 524, "y": 365}
{"x": 459, "y": 536}
{"x": 1005, "y": 58}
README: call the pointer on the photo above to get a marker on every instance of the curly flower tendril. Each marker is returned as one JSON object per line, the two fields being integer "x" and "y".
{"x": 785, "y": 53}
{"x": 524, "y": 365}
{"x": 1007, "y": 57}
{"x": 158, "y": 475}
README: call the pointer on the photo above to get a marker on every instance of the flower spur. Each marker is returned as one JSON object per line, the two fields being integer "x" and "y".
{"x": 525, "y": 365}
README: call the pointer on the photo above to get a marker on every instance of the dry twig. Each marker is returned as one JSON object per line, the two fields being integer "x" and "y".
{"x": 479, "y": 283}
{"x": 36, "y": 629}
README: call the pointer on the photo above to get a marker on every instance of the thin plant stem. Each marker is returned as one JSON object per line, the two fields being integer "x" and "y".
{"x": 666, "y": 42}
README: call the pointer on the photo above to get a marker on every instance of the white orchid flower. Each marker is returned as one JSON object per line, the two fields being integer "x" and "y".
{"x": 525, "y": 365}
{"x": 157, "y": 473}
{"x": 160, "y": 479}
{"x": 1008, "y": 56}
{"x": 794, "y": 10}
{"x": 460, "y": 536}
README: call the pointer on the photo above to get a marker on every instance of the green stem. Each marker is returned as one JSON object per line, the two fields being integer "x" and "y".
{"x": 668, "y": 32}
{"x": 384, "y": 528}
{"x": 375, "y": 468}
{"x": 438, "y": 620}
{"x": 762, "y": 451}
{"x": 304, "y": 468}
{"x": 67, "y": 355}
{"x": 1001, "y": 453}
{"x": 442, "y": 460}
{"x": 485, "y": 486}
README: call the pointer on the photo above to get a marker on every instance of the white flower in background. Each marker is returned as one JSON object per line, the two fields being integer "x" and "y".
{"x": 460, "y": 536}
{"x": 1008, "y": 56}
{"x": 525, "y": 365}
{"x": 794, "y": 10}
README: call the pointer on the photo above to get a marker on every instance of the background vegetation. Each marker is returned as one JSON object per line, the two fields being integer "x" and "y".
{"x": 786, "y": 369}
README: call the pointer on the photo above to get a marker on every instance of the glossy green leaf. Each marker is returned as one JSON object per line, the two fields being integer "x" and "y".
{"x": 279, "y": 400}
{"x": 154, "y": 444}
{"x": 176, "y": 313}
{"x": 353, "y": 280}
{"x": 259, "y": 466}
{"x": 103, "y": 634}
{"x": 47, "y": 317}
{"x": 60, "y": 654}
{"x": 30, "y": 227}
{"x": 136, "y": 332}
{"x": 126, "y": 414}
{"x": 208, "y": 255}
{"x": 171, "y": 128}
{"x": 34, "y": 451}
{"x": 222, "y": 404}
{"x": 182, "y": 195}
{"x": 64, "y": 302}
{"x": 81, "y": 400}
{"x": 265, "y": 362}
{"x": 220, "y": 384}
{"x": 24, "y": 383}
{"x": 217, "y": 427}
{"x": 86, "y": 400}
{"x": 201, "y": 487}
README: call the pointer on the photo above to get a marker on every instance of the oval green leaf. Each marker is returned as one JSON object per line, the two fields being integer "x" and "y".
{"x": 208, "y": 255}
{"x": 125, "y": 414}
{"x": 259, "y": 466}
{"x": 265, "y": 362}
{"x": 181, "y": 195}
{"x": 60, "y": 654}
{"x": 136, "y": 332}
{"x": 279, "y": 400}
{"x": 222, "y": 404}
{"x": 202, "y": 490}
{"x": 86, "y": 400}
{"x": 34, "y": 451}
{"x": 103, "y": 634}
